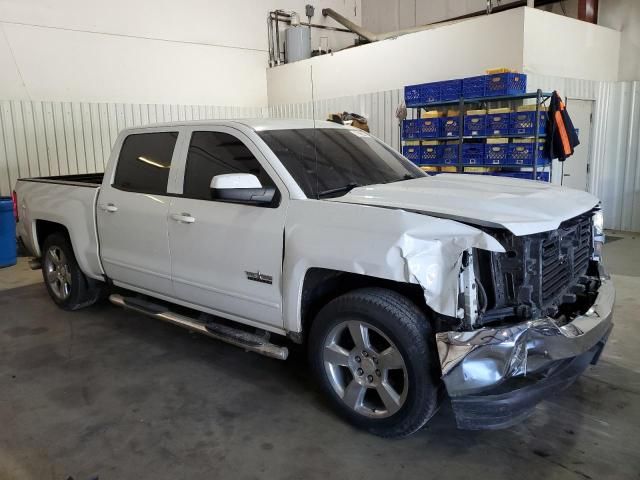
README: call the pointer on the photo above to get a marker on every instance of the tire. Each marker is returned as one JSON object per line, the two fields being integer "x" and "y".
{"x": 68, "y": 287}
{"x": 399, "y": 396}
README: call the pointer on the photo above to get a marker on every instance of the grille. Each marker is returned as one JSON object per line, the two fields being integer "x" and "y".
{"x": 564, "y": 257}
{"x": 537, "y": 272}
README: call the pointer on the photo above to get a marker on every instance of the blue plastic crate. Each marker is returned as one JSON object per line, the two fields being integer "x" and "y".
{"x": 473, "y": 154}
{"x": 496, "y": 153}
{"x": 429, "y": 127}
{"x": 410, "y": 130}
{"x": 505, "y": 84}
{"x": 417, "y": 95}
{"x": 473, "y": 87}
{"x": 450, "y": 90}
{"x": 498, "y": 124}
{"x": 412, "y": 152}
{"x": 431, "y": 154}
{"x": 524, "y": 123}
{"x": 413, "y": 95}
{"x": 474, "y": 125}
{"x": 522, "y": 154}
{"x": 449, "y": 154}
{"x": 451, "y": 126}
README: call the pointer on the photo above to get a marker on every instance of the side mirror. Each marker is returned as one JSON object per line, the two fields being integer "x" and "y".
{"x": 241, "y": 188}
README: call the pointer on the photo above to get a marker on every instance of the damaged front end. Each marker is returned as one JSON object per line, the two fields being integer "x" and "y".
{"x": 534, "y": 317}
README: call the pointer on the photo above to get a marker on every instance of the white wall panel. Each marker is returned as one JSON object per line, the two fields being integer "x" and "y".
{"x": 59, "y": 138}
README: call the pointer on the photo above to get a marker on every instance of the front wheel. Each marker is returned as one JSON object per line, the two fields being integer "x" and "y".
{"x": 371, "y": 350}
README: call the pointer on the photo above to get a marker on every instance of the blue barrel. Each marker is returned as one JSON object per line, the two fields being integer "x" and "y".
{"x": 8, "y": 251}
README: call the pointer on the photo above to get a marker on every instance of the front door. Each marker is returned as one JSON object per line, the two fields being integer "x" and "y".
{"x": 132, "y": 213}
{"x": 227, "y": 257}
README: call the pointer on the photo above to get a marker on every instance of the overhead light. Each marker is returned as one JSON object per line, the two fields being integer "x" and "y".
{"x": 151, "y": 162}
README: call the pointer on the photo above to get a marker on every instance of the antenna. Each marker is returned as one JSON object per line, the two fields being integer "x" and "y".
{"x": 313, "y": 113}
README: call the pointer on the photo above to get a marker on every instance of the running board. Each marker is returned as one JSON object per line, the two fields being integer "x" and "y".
{"x": 233, "y": 336}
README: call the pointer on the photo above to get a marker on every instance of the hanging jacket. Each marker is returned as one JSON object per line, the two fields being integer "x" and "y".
{"x": 561, "y": 136}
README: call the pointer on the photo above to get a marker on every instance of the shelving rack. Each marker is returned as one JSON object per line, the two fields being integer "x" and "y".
{"x": 483, "y": 102}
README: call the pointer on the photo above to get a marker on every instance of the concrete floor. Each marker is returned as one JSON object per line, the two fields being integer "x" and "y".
{"x": 109, "y": 393}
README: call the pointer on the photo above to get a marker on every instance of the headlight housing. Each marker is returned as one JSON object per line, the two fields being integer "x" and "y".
{"x": 598, "y": 234}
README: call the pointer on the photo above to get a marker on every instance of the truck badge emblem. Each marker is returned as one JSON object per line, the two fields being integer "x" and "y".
{"x": 259, "y": 277}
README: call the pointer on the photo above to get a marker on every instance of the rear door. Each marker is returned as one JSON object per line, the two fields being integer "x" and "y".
{"x": 228, "y": 256}
{"x": 132, "y": 212}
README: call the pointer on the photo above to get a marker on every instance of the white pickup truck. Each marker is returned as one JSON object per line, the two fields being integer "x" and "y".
{"x": 403, "y": 287}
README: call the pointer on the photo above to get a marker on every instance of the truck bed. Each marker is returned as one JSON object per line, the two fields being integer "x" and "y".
{"x": 79, "y": 180}
{"x": 68, "y": 201}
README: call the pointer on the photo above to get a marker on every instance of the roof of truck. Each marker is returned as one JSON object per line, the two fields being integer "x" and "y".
{"x": 258, "y": 124}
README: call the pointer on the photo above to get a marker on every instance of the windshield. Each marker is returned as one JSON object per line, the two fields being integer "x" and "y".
{"x": 328, "y": 162}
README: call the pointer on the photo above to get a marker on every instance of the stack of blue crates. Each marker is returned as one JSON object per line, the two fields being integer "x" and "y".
{"x": 499, "y": 84}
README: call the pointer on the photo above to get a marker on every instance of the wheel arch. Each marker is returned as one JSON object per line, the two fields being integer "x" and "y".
{"x": 321, "y": 285}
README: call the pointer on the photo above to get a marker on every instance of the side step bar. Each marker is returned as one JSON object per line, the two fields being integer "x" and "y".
{"x": 233, "y": 336}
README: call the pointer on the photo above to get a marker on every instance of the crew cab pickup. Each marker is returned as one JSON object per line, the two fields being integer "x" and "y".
{"x": 404, "y": 288}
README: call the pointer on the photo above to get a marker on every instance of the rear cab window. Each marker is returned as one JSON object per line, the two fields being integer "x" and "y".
{"x": 144, "y": 162}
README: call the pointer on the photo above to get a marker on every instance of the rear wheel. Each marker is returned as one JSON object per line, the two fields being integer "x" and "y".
{"x": 69, "y": 288}
{"x": 371, "y": 352}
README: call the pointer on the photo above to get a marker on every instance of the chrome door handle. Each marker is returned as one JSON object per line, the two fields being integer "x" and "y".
{"x": 109, "y": 207}
{"x": 183, "y": 217}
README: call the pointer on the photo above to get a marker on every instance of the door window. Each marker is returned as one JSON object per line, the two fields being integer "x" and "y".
{"x": 217, "y": 153}
{"x": 145, "y": 161}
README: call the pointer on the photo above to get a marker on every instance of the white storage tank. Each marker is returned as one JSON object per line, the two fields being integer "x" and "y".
{"x": 297, "y": 44}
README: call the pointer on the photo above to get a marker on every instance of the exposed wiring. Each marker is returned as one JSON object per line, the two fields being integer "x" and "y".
{"x": 483, "y": 294}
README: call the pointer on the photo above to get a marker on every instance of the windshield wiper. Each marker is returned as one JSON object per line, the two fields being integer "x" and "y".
{"x": 345, "y": 188}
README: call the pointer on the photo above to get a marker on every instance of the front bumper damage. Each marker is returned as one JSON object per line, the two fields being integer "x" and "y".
{"x": 496, "y": 376}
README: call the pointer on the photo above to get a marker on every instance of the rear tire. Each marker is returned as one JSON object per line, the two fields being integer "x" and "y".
{"x": 68, "y": 287}
{"x": 373, "y": 353}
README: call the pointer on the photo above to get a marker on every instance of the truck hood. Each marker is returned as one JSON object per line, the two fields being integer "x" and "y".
{"x": 522, "y": 206}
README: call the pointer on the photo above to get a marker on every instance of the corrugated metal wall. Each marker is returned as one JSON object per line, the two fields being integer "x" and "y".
{"x": 60, "y": 138}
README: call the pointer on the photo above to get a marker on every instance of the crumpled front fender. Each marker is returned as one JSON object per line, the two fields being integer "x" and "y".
{"x": 379, "y": 242}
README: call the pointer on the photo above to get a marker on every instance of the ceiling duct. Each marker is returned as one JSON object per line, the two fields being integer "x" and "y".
{"x": 374, "y": 37}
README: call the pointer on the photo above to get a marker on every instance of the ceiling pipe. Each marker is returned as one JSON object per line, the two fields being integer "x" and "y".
{"x": 588, "y": 10}
{"x": 373, "y": 37}
{"x": 501, "y": 8}
{"x": 354, "y": 27}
